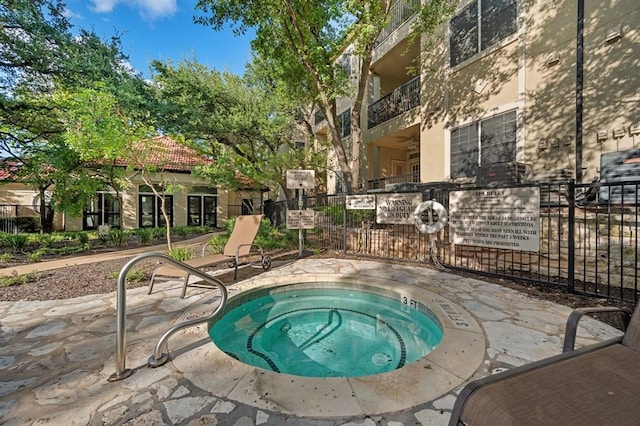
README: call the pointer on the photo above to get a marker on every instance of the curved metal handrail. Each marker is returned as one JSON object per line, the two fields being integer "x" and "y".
{"x": 158, "y": 358}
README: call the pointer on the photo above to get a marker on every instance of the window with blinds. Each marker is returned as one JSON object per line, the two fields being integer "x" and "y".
{"x": 484, "y": 142}
{"x": 479, "y": 26}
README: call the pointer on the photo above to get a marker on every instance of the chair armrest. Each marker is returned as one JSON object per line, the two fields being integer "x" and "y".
{"x": 575, "y": 317}
{"x": 206, "y": 247}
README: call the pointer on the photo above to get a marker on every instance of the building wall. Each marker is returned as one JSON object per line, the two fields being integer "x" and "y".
{"x": 534, "y": 72}
{"x": 20, "y": 194}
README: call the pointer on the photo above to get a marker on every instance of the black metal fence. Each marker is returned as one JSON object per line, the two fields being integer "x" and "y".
{"x": 16, "y": 218}
{"x": 588, "y": 237}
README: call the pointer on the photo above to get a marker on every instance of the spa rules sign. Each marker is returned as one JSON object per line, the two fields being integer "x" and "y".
{"x": 506, "y": 218}
{"x": 397, "y": 208}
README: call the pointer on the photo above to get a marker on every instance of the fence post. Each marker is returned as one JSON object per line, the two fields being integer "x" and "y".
{"x": 344, "y": 224}
{"x": 571, "y": 237}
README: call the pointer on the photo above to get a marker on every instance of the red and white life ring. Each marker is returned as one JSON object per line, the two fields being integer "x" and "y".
{"x": 433, "y": 209}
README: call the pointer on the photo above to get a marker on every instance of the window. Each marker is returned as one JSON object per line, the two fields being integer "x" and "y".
{"x": 247, "y": 206}
{"x": 149, "y": 211}
{"x": 319, "y": 117}
{"x": 344, "y": 62}
{"x": 473, "y": 32}
{"x": 203, "y": 205}
{"x": 485, "y": 142}
{"x": 104, "y": 209}
{"x": 340, "y": 183}
{"x": 344, "y": 123}
{"x": 415, "y": 172}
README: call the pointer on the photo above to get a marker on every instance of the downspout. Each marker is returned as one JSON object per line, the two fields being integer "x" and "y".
{"x": 579, "y": 87}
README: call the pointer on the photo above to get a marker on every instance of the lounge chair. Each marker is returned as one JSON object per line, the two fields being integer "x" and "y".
{"x": 239, "y": 245}
{"x": 594, "y": 385}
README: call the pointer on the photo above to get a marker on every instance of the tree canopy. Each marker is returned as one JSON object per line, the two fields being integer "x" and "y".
{"x": 307, "y": 39}
{"x": 40, "y": 58}
{"x": 246, "y": 123}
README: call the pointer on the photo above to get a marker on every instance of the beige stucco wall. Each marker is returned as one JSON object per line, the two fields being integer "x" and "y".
{"x": 16, "y": 193}
{"x": 534, "y": 71}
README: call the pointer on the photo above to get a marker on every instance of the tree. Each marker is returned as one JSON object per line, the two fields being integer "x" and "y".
{"x": 311, "y": 36}
{"x": 243, "y": 123}
{"x": 39, "y": 55}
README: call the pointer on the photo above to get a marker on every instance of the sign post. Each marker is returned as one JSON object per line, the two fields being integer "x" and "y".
{"x": 300, "y": 180}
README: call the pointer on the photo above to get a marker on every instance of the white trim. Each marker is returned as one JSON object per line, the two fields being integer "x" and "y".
{"x": 487, "y": 114}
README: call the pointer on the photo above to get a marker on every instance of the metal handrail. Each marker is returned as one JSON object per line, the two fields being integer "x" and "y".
{"x": 158, "y": 358}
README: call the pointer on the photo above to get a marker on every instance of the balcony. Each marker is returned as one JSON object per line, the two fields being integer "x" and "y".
{"x": 400, "y": 12}
{"x": 380, "y": 183}
{"x": 402, "y": 99}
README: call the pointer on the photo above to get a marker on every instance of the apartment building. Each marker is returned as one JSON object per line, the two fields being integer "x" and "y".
{"x": 518, "y": 89}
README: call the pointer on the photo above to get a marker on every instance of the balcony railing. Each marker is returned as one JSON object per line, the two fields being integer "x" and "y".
{"x": 380, "y": 183}
{"x": 402, "y": 99}
{"x": 400, "y": 12}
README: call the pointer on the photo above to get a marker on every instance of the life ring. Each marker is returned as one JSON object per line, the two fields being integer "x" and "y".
{"x": 433, "y": 208}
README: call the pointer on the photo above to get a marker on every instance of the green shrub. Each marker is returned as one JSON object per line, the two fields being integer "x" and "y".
{"x": 336, "y": 213}
{"x": 159, "y": 233}
{"x": 19, "y": 279}
{"x": 273, "y": 238}
{"x": 182, "y": 231}
{"x": 70, "y": 249}
{"x": 145, "y": 235}
{"x": 181, "y": 253}
{"x": 6, "y": 257}
{"x": 135, "y": 275}
{"x": 34, "y": 256}
{"x": 17, "y": 242}
{"x": 82, "y": 237}
{"x": 44, "y": 240}
{"x": 117, "y": 237}
{"x": 216, "y": 243}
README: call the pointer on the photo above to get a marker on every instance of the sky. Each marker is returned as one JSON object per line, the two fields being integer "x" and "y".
{"x": 161, "y": 29}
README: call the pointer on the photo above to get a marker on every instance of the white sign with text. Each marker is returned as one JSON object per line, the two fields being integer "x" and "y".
{"x": 300, "y": 219}
{"x": 506, "y": 218}
{"x": 361, "y": 202}
{"x": 301, "y": 179}
{"x": 397, "y": 208}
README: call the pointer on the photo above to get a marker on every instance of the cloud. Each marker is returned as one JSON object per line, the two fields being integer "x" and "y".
{"x": 149, "y": 9}
{"x": 70, "y": 14}
{"x": 104, "y": 6}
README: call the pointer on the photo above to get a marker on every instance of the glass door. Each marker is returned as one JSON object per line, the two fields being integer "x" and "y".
{"x": 147, "y": 212}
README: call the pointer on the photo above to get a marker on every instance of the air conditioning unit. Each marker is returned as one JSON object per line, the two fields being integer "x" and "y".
{"x": 554, "y": 191}
{"x": 499, "y": 174}
{"x": 623, "y": 167}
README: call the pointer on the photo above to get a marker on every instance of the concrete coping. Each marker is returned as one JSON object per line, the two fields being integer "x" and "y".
{"x": 451, "y": 363}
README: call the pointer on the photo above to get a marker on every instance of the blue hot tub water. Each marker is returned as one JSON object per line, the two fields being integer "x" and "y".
{"x": 326, "y": 332}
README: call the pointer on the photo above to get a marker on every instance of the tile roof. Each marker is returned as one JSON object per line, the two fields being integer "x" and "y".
{"x": 170, "y": 156}
{"x": 8, "y": 169}
{"x": 159, "y": 151}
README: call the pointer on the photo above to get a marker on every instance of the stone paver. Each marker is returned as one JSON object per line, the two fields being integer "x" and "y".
{"x": 56, "y": 356}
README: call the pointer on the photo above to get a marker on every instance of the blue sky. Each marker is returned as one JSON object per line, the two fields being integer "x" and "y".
{"x": 161, "y": 29}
